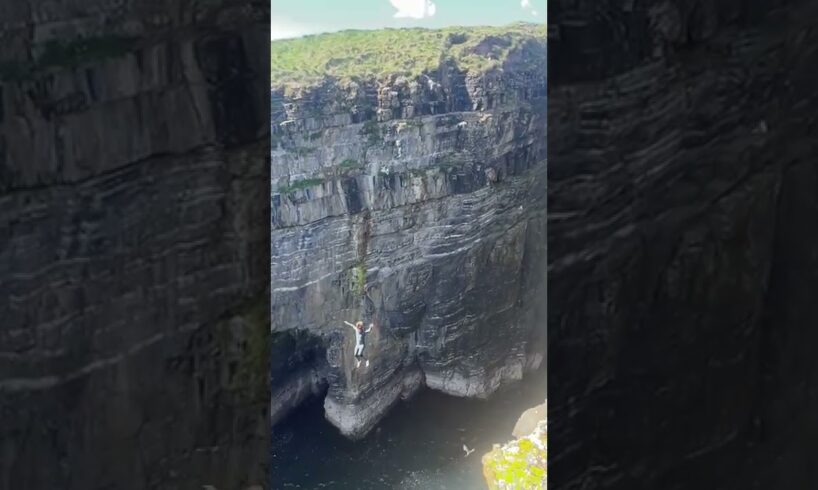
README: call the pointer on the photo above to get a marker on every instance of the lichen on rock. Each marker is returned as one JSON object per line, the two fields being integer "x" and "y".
{"x": 519, "y": 464}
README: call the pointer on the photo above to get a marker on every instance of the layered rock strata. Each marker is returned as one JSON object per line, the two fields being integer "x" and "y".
{"x": 419, "y": 204}
{"x": 133, "y": 245}
{"x": 681, "y": 200}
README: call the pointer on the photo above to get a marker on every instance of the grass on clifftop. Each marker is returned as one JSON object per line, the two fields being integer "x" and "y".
{"x": 410, "y": 52}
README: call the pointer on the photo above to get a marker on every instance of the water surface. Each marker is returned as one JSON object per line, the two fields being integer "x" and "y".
{"x": 419, "y": 445}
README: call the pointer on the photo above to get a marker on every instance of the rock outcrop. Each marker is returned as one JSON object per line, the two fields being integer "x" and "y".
{"x": 519, "y": 464}
{"x": 419, "y": 204}
{"x": 133, "y": 244}
{"x": 682, "y": 198}
{"x": 529, "y": 419}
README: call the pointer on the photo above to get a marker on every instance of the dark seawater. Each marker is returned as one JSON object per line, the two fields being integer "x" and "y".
{"x": 419, "y": 445}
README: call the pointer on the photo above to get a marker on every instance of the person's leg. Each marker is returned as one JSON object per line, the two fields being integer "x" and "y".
{"x": 362, "y": 355}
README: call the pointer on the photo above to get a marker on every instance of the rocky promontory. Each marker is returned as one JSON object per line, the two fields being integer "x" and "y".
{"x": 521, "y": 463}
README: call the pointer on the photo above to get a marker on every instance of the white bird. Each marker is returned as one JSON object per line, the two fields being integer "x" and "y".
{"x": 467, "y": 450}
{"x": 413, "y": 9}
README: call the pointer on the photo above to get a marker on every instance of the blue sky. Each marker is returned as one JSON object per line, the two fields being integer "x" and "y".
{"x": 294, "y": 18}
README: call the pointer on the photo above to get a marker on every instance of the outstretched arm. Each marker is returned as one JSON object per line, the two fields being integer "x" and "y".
{"x": 351, "y": 325}
{"x": 370, "y": 327}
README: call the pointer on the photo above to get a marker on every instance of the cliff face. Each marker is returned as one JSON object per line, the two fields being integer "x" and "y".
{"x": 133, "y": 258}
{"x": 681, "y": 199}
{"x": 417, "y": 203}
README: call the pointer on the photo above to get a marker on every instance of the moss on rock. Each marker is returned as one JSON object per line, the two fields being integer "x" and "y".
{"x": 519, "y": 464}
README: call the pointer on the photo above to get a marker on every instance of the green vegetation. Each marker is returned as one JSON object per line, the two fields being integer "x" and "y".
{"x": 518, "y": 464}
{"x": 67, "y": 54}
{"x": 373, "y": 132}
{"x": 355, "y": 55}
{"x": 299, "y": 185}
{"x": 350, "y": 164}
{"x": 359, "y": 279}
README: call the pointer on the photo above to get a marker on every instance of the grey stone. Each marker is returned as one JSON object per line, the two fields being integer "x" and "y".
{"x": 133, "y": 252}
{"x": 381, "y": 212}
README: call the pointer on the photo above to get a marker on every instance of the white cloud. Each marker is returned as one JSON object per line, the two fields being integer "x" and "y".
{"x": 526, "y": 5}
{"x": 284, "y": 28}
{"x": 413, "y": 9}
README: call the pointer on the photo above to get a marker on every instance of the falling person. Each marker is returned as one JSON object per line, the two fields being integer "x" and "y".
{"x": 360, "y": 337}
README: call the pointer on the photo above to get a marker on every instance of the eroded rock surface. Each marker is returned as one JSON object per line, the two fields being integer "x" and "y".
{"x": 681, "y": 199}
{"x": 133, "y": 245}
{"x": 418, "y": 204}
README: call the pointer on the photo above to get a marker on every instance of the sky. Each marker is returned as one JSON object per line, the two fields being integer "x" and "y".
{"x": 295, "y": 18}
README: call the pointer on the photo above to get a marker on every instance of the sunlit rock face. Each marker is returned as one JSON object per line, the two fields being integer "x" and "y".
{"x": 418, "y": 204}
{"x": 521, "y": 463}
{"x": 681, "y": 202}
{"x": 133, "y": 245}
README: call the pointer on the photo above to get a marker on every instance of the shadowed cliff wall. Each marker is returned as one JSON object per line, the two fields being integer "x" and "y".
{"x": 133, "y": 245}
{"x": 681, "y": 216}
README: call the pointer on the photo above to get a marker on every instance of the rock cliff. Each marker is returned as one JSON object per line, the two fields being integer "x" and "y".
{"x": 133, "y": 244}
{"x": 416, "y": 201}
{"x": 682, "y": 198}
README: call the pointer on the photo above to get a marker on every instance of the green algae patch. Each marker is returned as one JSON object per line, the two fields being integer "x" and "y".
{"x": 300, "y": 185}
{"x": 359, "y": 55}
{"x": 359, "y": 279}
{"x": 519, "y": 464}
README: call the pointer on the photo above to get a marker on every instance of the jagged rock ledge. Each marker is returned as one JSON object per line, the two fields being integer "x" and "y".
{"x": 521, "y": 463}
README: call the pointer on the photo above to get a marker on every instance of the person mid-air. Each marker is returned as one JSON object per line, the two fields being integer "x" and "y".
{"x": 360, "y": 337}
